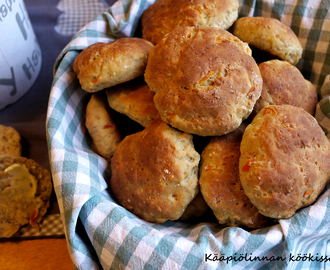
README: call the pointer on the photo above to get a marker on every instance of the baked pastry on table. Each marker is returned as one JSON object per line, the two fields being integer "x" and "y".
{"x": 269, "y": 35}
{"x": 285, "y": 160}
{"x": 101, "y": 126}
{"x": 164, "y": 16}
{"x": 135, "y": 100}
{"x": 283, "y": 83}
{"x": 25, "y": 190}
{"x": 103, "y": 65}
{"x": 10, "y": 141}
{"x": 154, "y": 172}
{"x": 220, "y": 183}
{"x": 205, "y": 80}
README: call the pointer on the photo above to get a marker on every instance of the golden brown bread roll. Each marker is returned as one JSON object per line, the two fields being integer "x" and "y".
{"x": 101, "y": 126}
{"x": 220, "y": 183}
{"x": 283, "y": 83}
{"x": 103, "y": 65}
{"x": 134, "y": 99}
{"x": 270, "y": 35}
{"x": 164, "y": 16}
{"x": 205, "y": 80}
{"x": 285, "y": 160}
{"x": 154, "y": 172}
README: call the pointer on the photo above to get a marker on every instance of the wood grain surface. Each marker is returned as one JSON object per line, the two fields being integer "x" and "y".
{"x": 45, "y": 254}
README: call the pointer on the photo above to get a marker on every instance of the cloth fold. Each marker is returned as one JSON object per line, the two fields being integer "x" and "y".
{"x": 102, "y": 234}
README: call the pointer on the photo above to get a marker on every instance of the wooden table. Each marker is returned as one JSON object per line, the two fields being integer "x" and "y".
{"x": 45, "y": 254}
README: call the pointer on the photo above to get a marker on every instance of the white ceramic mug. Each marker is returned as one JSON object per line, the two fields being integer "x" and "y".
{"x": 20, "y": 53}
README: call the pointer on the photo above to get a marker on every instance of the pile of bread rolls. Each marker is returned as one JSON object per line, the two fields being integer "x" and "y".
{"x": 216, "y": 127}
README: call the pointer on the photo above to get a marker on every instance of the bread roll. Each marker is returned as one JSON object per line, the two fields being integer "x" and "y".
{"x": 154, "y": 172}
{"x": 285, "y": 160}
{"x": 270, "y": 35}
{"x": 164, "y": 16}
{"x": 103, "y": 65}
{"x": 205, "y": 80}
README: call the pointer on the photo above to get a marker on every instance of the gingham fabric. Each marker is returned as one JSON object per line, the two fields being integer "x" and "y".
{"x": 102, "y": 234}
{"x": 77, "y": 13}
{"x": 50, "y": 226}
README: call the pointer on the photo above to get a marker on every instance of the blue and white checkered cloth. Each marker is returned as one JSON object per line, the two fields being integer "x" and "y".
{"x": 102, "y": 234}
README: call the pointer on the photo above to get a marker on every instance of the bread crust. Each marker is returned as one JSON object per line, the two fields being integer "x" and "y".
{"x": 270, "y": 35}
{"x": 135, "y": 100}
{"x": 205, "y": 80}
{"x": 285, "y": 160}
{"x": 220, "y": 183}
{"x": 101, "y": 126}
{"x": 283, "y": 83}
{"x": 164, "y": 16}
{"x": 154, "y": 172}
{"x": 103, "y": 65}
